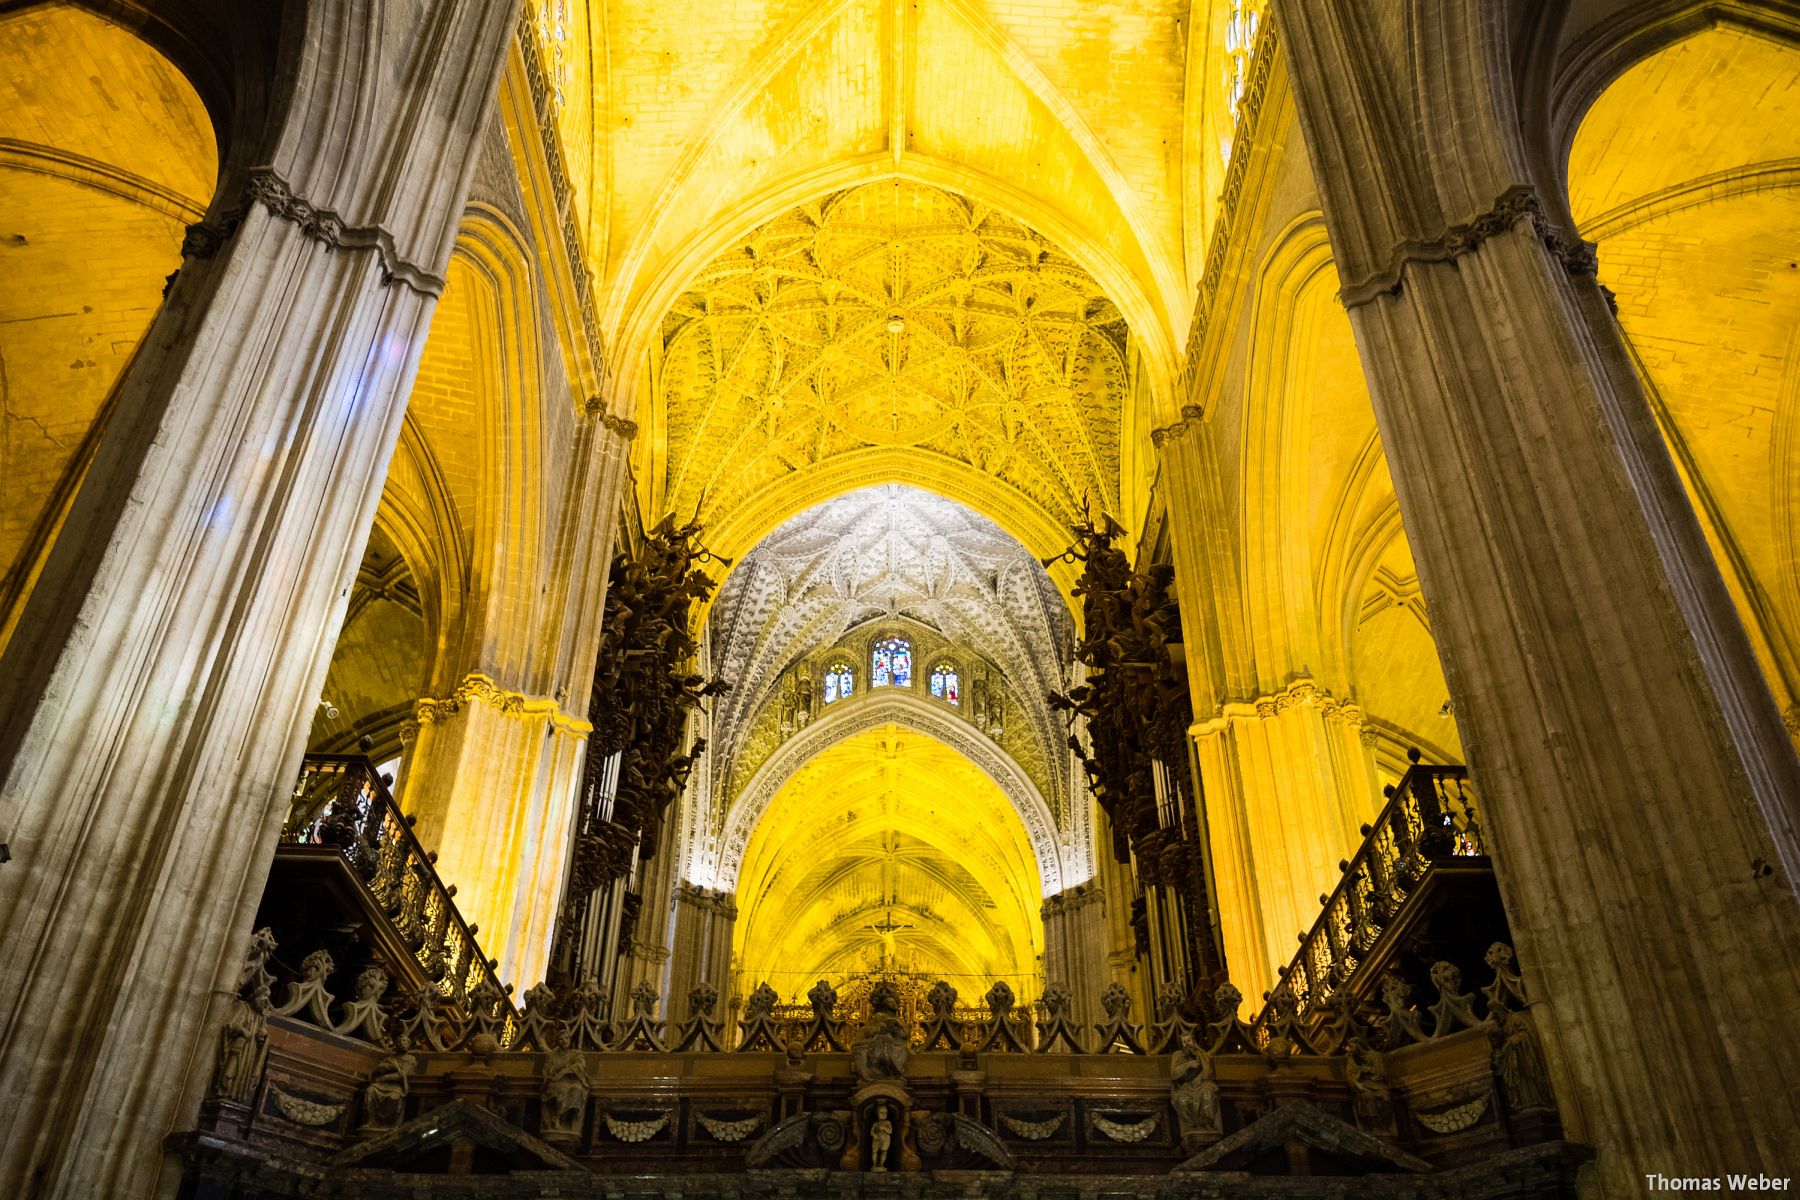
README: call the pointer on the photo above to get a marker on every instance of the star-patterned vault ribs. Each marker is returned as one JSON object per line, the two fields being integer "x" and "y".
{"x": 893, "y": 315}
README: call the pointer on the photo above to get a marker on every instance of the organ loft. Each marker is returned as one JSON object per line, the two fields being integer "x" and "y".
{"x": 1043, "y": 599}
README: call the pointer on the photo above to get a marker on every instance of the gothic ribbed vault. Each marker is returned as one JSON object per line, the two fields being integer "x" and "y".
{"x": 889, "y": 850}
{"x": 891, "y": 316}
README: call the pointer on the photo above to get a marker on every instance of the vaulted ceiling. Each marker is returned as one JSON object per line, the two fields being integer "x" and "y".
{"x": 687, "y": 123}
{"x": 893, "y": 316}
{"x": 888, "y": 849}
{"x": 888, "y": 551}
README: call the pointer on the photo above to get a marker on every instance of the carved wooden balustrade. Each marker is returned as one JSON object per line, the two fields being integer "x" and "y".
{"x": 340, "y": 801}
{"x": 1432, "y": 821}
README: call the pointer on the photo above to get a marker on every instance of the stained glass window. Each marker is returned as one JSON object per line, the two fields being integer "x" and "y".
{"x": 945, "y": 685}
{"x": 891, "y": 663}
{"x": 839, "y": 682}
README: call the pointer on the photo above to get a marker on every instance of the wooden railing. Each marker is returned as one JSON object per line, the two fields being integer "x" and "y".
{"x": 1431, "y": 818}
{"x": 340, "y": 800}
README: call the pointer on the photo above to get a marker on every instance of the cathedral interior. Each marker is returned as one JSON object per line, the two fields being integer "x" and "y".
{"x": 1054, "y": 599}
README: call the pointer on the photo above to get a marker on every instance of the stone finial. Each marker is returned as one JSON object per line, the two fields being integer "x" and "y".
{"x": 997, "y": 1032}
{"x": 1000, "y": 999}
{"x": 1403, "y": 1023}
{"x": 643, "y": 999}
{"x": 1056, "y": 1028}
{"x": 940, "y": 1027}
{"x": 1115, "y": 1001}
{"x": 363, "y": 1016}
{"x": 1455, "y": 1008}
{"x": 308, "y": 992}
{"x": 703, "y": 997}
{"x": 941, "y": 999}
{"x": 823, "y": 998}
{"x": 759, "y": 1030}
{"x": 762, "y": 1001}
{"x": 1117, "y": 1032}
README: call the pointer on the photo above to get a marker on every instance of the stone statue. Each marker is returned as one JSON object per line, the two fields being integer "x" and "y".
{"x": 565, "y": 1093}
{"x": 244, "y": 1042}
{"x": 882, "y": 1052}
{"x": 881, "y": 1136}
{"x": 1372, "y": 1099}
{"x": 384, "y": 1099}
{"x": 1519, "y": 1063}
{"x": 1194, "y": 1090}
{"x": 1508, "y": 989}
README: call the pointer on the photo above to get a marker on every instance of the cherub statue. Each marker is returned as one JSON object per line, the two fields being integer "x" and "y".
{"x": 881, "y": 1137}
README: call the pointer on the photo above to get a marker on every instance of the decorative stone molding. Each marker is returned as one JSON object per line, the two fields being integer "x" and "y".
{"x": 625, "y": 429}
{"x": 538, "y": 83}
{"x": 1517, "y": 203}
{"x": 477, "y": 687}
{"x": 1191, "y": 415}
{"x": 1300, "y": 693}
{"x": 1072, "y": 900}
{"x": 271, "y": 191}
{"x": 707, "y": 899}
{"x": 1249, "y": 114}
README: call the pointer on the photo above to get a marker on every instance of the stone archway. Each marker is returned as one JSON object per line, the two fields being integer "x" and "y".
{"x": 909, "y": 712}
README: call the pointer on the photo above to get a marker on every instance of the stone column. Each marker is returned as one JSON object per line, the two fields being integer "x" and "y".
{"x": 647, "y": 955}
{"x": 494, "y": 776}
{"x": 492, "y": 780}
{"x": 1639, "y": 790}
{"x": 158, "y": 691}
{"x": 1284, "y": 778}
{"x": 1075, "y": 944}
{"x": 704, "y": 923}
{"x": 1287, "y": 791}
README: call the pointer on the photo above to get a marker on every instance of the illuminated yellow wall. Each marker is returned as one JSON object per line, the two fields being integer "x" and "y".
{"x": 888, "y": 826}
{"x": 105, "y": 156}
{"x": 1692, "y": 193}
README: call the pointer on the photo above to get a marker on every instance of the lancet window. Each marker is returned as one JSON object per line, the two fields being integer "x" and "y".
{"x": 840, "y": 681}
{"x": 946, "y": 683}
{"x": 890, "y": 664}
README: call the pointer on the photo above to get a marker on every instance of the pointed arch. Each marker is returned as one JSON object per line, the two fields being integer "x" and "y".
{"x": 908, "y": 709}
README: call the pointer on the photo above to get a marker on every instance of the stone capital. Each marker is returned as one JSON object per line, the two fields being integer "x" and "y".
{"x": 1192, "y": 415}
{"x": 477, "y": 688}
{"x": 1519, "y": 203}
{"x": 265, "y": 188}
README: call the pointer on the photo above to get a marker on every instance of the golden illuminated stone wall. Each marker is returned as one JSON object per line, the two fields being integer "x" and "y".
{"x": 105, "y": 156}
{"x": 1693, "y": 196}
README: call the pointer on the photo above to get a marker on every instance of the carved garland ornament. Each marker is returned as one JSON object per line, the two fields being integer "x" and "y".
{"x": 1035, "y": 1131}
{"x": 636, "y": 1131}
{"x": 302, "y": 1111}
{"x": 1119, "y": 1131}
{"x": 1454, "y": 1120}
{"x": 728, "y": 1131}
